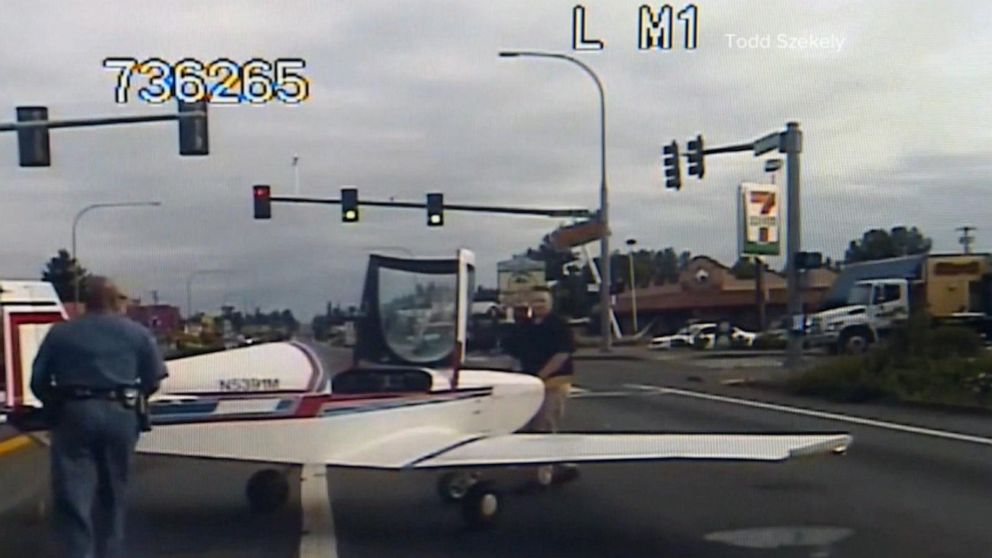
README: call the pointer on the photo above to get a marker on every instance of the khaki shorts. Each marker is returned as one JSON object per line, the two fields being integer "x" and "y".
{"x": 548, "y": 417}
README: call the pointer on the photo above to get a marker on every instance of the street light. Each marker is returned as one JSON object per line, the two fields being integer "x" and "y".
{"x": 189, "y": 286}
{"x": 604, "y": 214}
{"x": 88, "y": 208}
{"x": 633, "y": 281}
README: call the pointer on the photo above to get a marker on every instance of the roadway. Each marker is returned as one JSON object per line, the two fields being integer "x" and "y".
{"x": 897, "y": 493}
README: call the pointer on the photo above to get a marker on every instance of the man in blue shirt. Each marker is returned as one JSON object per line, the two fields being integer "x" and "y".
{"x": 86, "y": 374}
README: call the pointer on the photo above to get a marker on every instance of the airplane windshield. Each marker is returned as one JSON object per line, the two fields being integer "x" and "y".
{"x": 417, "y": 314}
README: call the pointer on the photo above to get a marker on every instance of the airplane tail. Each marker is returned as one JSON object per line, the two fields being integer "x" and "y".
{"x": 27, "y": 310}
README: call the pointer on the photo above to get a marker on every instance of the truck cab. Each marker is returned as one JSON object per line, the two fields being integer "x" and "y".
{"x": 873, "y": 307}
{"x": 951, "y": 288}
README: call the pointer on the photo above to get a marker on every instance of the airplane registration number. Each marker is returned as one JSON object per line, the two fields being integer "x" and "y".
{"x": 249, "y": 384}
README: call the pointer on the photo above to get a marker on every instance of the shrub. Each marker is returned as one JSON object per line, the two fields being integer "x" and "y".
{"x": 954, "y": 341}
{"x": 847, "y": 378}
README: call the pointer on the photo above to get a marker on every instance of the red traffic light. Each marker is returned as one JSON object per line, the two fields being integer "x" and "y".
{"x": 263, "y": 203}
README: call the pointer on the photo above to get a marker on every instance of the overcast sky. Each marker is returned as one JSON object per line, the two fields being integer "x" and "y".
{"x": 410, "y": 97}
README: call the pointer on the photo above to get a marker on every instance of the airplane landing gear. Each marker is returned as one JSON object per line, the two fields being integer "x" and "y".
{"x": 545, "y": 476}
{"x": 481, "y": 505}
{"x": 267, "y": 491}
{"x": 453, "y": 486}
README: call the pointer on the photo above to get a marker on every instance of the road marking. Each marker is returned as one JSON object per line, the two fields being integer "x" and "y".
{"x": 822, "y": 414}
{"x": 582, "y": 393}
{"x": 14, "y": 444}
{"x": 317, "y": 537}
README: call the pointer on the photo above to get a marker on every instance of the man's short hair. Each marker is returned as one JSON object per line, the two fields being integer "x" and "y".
{"x": 102, "y": 295}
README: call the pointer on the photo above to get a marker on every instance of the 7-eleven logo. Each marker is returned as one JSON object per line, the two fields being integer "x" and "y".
{"x": 767, "y": 201}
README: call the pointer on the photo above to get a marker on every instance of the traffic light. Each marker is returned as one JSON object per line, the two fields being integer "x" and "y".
{"x": 193, "y": 137}
{"x": 673, "y": 173}
{"x": 697, "y": 167}
{"x": 435, "y": 210}
{"x": 32, "y": 143}
{"x": 349, "y": 205}
{"x": 809, "y": 260}
{"x": 262, "y": 195}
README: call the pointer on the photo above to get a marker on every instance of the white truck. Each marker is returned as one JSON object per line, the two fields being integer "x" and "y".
{"x": 878, "y": 295}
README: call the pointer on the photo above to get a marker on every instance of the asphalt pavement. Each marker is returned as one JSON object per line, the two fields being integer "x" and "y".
{"x": 896, "y": 492}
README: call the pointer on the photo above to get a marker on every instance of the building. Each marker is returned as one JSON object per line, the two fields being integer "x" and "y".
{"x": 517, "y": 278}
{"x": 707, "y": 290}
{"x": 161, "y": 319}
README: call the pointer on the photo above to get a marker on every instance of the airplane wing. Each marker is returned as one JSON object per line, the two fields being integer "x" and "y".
{"x": 533, "y": 449}
{"x": 338, "y": 445}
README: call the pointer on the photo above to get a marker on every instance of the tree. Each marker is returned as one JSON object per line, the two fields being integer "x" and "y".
{"x": 554, "y": 259}
{"x": 665, "y": 266}
{"x": 877, "y": 244}
{"x": 289, "y": 321}
{"x": 684, "y": 258}
{"x": 62, "y": 271}
{"x": 743, "y": 268}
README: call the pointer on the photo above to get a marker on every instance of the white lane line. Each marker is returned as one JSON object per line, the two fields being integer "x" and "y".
{"x": 317, "y": 538}
{"x": 822, "y": 414}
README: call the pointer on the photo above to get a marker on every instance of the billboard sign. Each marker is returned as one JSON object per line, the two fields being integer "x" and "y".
{"x": 759, "y": 219}
{"x": 568, "y": 237}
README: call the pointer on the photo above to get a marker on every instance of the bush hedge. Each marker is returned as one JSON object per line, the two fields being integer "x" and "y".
{"x": 918, "y": 363}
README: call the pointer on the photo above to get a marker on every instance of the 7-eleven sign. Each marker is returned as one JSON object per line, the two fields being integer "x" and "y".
{"x": 759, "y": 219}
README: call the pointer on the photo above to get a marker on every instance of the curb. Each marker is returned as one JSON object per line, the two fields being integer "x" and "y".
{"x": 13, "y": 444}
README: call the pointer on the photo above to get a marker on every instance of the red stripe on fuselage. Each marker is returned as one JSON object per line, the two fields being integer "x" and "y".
{"x": 17, "y": 319}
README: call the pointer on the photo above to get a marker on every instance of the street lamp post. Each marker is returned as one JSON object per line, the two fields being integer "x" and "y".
{"x": 604, "y": 214}
{"x": 75, "y": 223}
{"x": 633, "y": 282}
{"x": 189, "y": 287}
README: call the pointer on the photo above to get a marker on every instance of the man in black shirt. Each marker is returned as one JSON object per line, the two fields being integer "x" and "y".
{"x": 545, "y": 350}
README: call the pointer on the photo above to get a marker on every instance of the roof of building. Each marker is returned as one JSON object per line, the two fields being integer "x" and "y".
{"x": 520, "y": 262}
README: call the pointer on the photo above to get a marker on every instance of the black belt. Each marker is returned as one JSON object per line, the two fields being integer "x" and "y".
{"x": 83, "y": 393}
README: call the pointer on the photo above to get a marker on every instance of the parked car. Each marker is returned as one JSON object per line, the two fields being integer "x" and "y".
{"x": 681, "y": 338}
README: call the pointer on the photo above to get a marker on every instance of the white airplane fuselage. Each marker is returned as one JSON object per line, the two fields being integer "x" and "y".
{"x": 357, "y": 430}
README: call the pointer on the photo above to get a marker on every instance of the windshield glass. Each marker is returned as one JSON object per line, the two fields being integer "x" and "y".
{"x": 418, "y": 313}
{"x": 860, "y": 295}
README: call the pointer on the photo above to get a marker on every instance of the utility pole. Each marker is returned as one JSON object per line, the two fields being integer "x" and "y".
{"x": 296, "y": 175}
{"x": 966, "y": 239}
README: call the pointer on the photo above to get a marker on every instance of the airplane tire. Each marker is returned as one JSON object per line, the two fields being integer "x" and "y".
{"x": 453, "y": 486}
{"x": 481, "y": 505}
{"x": 267, "y": 491}
{"x": 545, "y": 476}
{"x": 565, "y": 474}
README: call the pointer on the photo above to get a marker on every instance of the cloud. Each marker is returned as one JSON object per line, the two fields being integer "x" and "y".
{"x": 404, "y": 102}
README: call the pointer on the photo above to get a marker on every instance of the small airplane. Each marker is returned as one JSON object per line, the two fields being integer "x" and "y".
{"x": 401, "y": 406}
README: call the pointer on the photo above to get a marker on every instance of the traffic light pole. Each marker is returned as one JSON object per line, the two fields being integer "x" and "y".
{"x": 89, "y": 122}
{"x": 33, "y": 126}
{"x": 506, "y": 210}
{"x": 789, "y": 142}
